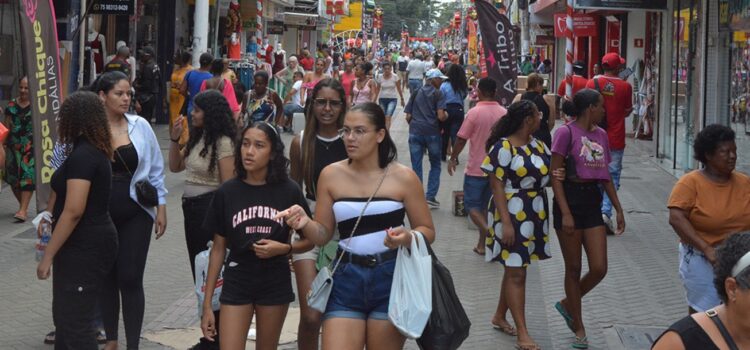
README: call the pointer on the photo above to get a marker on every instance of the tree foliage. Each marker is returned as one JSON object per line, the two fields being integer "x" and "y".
{"x": 415, "y": 14}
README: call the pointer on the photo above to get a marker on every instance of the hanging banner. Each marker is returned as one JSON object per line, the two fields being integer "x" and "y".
{"x": 499, "y": 42}
{"x": 472, "y": 45}
{"x": 41, "y": 59}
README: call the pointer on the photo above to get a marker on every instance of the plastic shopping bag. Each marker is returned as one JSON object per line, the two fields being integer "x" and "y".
{"x": 410, "y": 303}
{"x": 201, "y": 274}
{"x": 449, "y": 325}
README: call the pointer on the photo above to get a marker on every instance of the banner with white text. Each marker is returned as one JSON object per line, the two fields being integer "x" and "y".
{"x": 41, "y": 59}
{"x": 499, "y": 48}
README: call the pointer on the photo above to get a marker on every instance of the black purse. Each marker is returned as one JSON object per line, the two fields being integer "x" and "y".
{"x": 145, "y": 192}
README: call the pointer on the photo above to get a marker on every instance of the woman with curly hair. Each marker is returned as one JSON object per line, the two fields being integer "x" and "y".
{"x": 262, "y": 103}
{"x": 208, "y": 161}
{"x": 19, "y": 163}
{"x": 257, "y": 280}
{"x": 83, "y": 246}
{"x": 312, "y": 150}
{"x": 706, "y": 207}
{"x": 137, "y": 158}
{"x": 725, "y": 326}
{"x": 364, "y": 89}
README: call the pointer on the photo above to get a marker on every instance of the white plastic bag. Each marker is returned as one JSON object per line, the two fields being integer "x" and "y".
{"x": 201, "y": 274}
{"x": 410, "y": 304}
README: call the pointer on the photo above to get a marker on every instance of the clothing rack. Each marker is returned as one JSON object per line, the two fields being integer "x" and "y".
{"x": 244, "y": 70}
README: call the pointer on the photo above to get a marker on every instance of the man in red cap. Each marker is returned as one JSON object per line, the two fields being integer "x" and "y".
{"x": 618, "y": 104}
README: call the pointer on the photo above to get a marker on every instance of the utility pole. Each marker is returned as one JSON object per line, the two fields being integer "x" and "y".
{"x": 525, "y": 18}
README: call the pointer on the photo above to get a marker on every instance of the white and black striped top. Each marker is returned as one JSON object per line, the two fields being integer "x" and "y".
{"x": 381, "y": 214}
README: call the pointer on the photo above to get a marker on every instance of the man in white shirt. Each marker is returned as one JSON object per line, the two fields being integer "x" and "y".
{"x": 415, "y": 70}
{"x": 293, "y": 102}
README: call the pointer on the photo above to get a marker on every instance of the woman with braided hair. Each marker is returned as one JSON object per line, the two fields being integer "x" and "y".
{"x": 518, "y": 166}
{"x": 83, "y": 246}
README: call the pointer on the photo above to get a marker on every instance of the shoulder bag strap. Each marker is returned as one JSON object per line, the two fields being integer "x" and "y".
{"x": 362, "y": 213}
{"x": 123, "y": 162}
{"x": 714, "y": 316}
{"x": 596, "y": 85}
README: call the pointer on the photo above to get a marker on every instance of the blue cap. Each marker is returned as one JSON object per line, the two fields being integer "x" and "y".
{"x": 435, "y": 73}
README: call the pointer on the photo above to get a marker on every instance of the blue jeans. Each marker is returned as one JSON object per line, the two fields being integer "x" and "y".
{"x": 388, "y": 105}
{"x": 615, "y": 169}
{"x": 417, "y": 145}
{"x": 291, "y": 108}
{"x": 697, "y": 277}
{"x": 414, "y": 85}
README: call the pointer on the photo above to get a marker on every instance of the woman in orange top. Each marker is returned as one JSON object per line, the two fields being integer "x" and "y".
{"x": 707, "y": 206}
{"x": 176, "y": 98}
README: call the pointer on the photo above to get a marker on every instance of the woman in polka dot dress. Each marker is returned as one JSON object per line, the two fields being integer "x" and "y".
{"x": 518, "y": 166}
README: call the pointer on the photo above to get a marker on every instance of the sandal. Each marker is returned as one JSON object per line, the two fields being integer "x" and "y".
{"x": 101, "y": 337}
{"x": 20, "y": 218}
{"x": 565, "y": 315}
{"x": 507, "y": 329}
{"x": 580, "y": 343}
{"x": 480, "y": 253}
{"x": 49, "y": 339}
{"x": 531, "y": 346}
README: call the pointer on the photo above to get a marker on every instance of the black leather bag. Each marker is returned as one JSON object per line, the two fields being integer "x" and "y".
{"x": 145, "y": 192}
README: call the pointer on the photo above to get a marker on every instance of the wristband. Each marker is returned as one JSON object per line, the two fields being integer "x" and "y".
{"x": 290, "y": 249}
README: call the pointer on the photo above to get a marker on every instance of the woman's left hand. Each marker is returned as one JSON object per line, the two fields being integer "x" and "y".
{"x": 160, "y": 225}
{"x": 620, "y": 223}
{"x": 268, "y": 248}
{"x": 43, "y": 269}
{"x": 397, "y": 237}
{"x": 559, "y": 174}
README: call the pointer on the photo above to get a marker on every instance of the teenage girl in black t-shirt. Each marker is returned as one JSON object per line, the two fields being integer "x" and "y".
{"x": 242, "y": 215}
{"x": 312, "y": 150}
{"x": 83, "y": 246}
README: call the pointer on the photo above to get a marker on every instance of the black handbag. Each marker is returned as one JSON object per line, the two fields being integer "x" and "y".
{"x": 448, "y": 325}
{"x": 145, "y": 192}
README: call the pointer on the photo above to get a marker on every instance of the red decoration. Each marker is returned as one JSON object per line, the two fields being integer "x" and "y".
{"x": 583, "y": 25}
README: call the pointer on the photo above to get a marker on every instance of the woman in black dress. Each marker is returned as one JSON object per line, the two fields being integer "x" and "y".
{"x": 83, "y": 246}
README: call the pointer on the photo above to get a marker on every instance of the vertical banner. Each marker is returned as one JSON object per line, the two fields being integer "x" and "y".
{"x": 499, "y": 50}
{"x": 472, "y": 45}
{"x": 41, "y": 59}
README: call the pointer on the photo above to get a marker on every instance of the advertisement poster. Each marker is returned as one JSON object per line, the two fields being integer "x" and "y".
{"x": 499, "y": 42}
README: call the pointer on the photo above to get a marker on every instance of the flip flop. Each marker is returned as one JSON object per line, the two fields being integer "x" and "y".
{"x": 507, "y": 329}
{"x": 532, "y": 346}
{"x": 49, "y": 339}
{"x": 580, "y": 343}
{"x": 19, "y": 219}
{"x": 565, "y": 315}
{"x": 475, "y": 250}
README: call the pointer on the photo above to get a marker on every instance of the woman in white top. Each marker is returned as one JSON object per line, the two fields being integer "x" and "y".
{"x": 208, "y": 159}
{"x": 390, "y": 92}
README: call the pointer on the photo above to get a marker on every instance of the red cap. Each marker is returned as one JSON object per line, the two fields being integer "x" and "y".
{"x": 612, "y": 60}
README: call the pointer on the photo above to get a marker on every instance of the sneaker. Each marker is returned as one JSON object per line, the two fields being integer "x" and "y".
{"x": 608, "y": 224}
{"x": 433, "y": 204}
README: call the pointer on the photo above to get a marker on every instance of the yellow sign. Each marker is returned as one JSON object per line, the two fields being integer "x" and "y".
{"x": 352, "y": 21}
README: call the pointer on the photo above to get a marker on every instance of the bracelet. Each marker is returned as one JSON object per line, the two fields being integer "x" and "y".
{"x": 175, "y": 141}
{"x": 290, "y": 249}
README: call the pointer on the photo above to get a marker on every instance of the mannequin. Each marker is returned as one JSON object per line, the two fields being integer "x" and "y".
{"x": 279, "y": 59}
{"x": 98, "y": 44}
{"x": 234, "y": 47}
{"x": 269, "y": 52}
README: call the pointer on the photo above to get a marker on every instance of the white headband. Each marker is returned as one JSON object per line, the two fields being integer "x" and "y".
{"x": 741, "y": 264}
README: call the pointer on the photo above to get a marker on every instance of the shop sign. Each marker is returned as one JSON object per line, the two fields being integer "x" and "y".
{"x": 275, "y": 27}
{"x": 622, "y": 4}
{"x": 114, "y": 7}
{"x": 583, "y": 25}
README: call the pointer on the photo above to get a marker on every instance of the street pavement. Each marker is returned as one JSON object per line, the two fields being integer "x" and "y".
{"x": 640, "y": 296}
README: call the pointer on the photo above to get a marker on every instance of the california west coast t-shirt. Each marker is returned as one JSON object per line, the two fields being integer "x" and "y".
{"x": 244, "y": 214}
{"x": 589, "y": 149}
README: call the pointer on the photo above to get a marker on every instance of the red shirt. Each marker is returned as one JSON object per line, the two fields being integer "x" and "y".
{"x": 618, "y": 102}
{"x": 307, "y": 63}
{"x": 579, "y": 83}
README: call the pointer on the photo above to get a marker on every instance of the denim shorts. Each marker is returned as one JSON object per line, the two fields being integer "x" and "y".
{"x": 697, "y": 277}
{"x": 388, "y": 105}
{"x": 361, "y": 292}
{"x": 477, "y": 193}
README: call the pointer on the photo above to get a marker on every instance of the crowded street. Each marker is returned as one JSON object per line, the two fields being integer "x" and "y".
{"x": 640, "y": 296}
{"x": 375, "y": 174}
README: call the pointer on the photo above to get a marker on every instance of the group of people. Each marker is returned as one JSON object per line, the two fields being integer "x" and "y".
{"x": 338, "y": 193}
